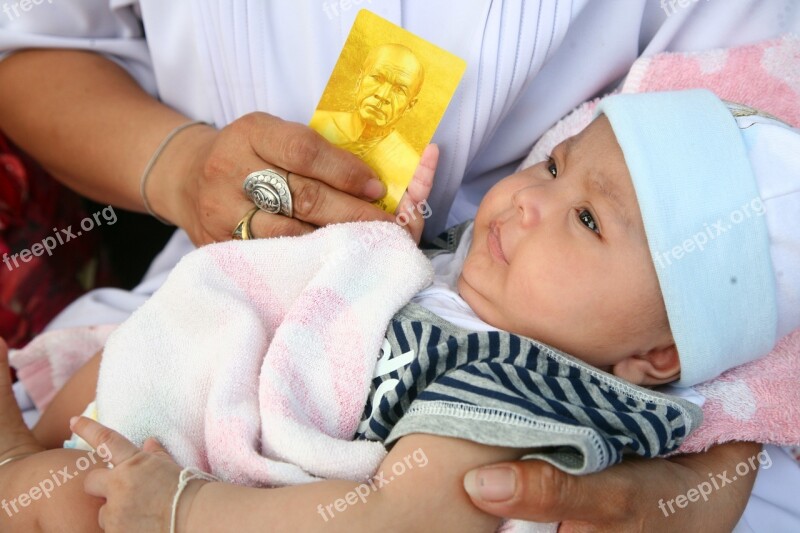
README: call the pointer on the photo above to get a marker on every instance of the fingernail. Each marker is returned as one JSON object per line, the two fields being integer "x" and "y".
{"x": 491, "y": 484}
{"x": 375, "y": 189}
{"x": 73, "y": 421}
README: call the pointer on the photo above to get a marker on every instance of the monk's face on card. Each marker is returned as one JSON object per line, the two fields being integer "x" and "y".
{"x": 389, "y": 84}
{"x": 560, "y": 255}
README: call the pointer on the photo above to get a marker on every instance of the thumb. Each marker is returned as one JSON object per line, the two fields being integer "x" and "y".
{"x": 539, "y": 492}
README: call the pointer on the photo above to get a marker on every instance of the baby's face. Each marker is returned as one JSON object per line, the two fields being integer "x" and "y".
{"x": 559, "y": 254}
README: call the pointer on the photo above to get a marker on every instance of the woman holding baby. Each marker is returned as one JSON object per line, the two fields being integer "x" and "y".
{"x": 95, "y": 104}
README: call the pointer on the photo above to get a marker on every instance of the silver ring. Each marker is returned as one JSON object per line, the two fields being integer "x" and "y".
{"x": 269, "y": 190}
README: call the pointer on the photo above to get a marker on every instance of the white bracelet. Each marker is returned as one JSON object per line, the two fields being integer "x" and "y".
{"x": 187, "y": 476}
{"x": 152, "y": 162}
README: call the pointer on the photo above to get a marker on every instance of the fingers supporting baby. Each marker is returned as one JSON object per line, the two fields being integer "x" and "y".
{"x": 539, "y": 492}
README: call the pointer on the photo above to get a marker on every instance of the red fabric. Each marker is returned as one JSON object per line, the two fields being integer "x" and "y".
{"x": 34, "y": 206}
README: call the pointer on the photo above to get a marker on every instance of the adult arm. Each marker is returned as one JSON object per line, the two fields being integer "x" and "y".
{"x": 634, "y": 495}
{"x": 91, "y": 125}
{"x": 140, "y": 488}
{"x": 625, "y": 498}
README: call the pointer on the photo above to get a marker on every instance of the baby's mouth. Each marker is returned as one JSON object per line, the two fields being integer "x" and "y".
{"x": 495, "y": 243}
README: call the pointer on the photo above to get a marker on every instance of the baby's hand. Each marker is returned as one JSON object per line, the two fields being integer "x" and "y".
{"x": 414, "y": 208}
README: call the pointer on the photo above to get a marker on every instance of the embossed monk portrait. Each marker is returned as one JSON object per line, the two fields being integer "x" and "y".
{"x": 370, "y": 106}
{"x": 387, "y": 88}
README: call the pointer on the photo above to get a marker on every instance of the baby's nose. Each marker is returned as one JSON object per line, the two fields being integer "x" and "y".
{"x": 530, "y": 201}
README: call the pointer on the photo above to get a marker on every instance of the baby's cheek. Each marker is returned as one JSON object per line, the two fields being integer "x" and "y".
{"x": 526, "y": 300}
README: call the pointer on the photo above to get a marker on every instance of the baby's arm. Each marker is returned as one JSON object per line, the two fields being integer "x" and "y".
{"x": 52, "y": 429}
{"x": 411, "y": 497}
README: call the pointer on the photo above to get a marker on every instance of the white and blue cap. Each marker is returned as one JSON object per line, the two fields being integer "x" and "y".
{"x": 719, "y": 191}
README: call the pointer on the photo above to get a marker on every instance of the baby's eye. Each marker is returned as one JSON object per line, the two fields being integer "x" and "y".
{"x": 551, "y": 167}
{"x": 587, "y": 220}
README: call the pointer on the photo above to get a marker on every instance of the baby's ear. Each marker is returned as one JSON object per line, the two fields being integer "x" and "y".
{"x": 656, "y": 367}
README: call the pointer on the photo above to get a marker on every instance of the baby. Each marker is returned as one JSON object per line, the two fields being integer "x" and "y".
{"x": 590, "y": 252}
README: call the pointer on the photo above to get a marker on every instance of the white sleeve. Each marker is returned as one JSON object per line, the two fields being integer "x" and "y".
{"x": 111, "y": 27}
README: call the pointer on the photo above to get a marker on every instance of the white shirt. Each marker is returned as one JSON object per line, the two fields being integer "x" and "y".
{"x": 528, "y": 62}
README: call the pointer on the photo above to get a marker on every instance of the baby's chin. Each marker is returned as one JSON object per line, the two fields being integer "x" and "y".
{"x": 468, "y": 294}
{"x": 465, "y": 292}
{"x": 474, "y": 301}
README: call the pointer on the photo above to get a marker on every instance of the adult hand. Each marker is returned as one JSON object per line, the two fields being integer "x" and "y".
{"x": 631, "y": 496}
{"x": 328, "y": 184}
{"x": 139, "y": 489}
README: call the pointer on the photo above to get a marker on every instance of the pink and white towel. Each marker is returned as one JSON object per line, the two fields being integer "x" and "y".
{"x": 269, "y": 389}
